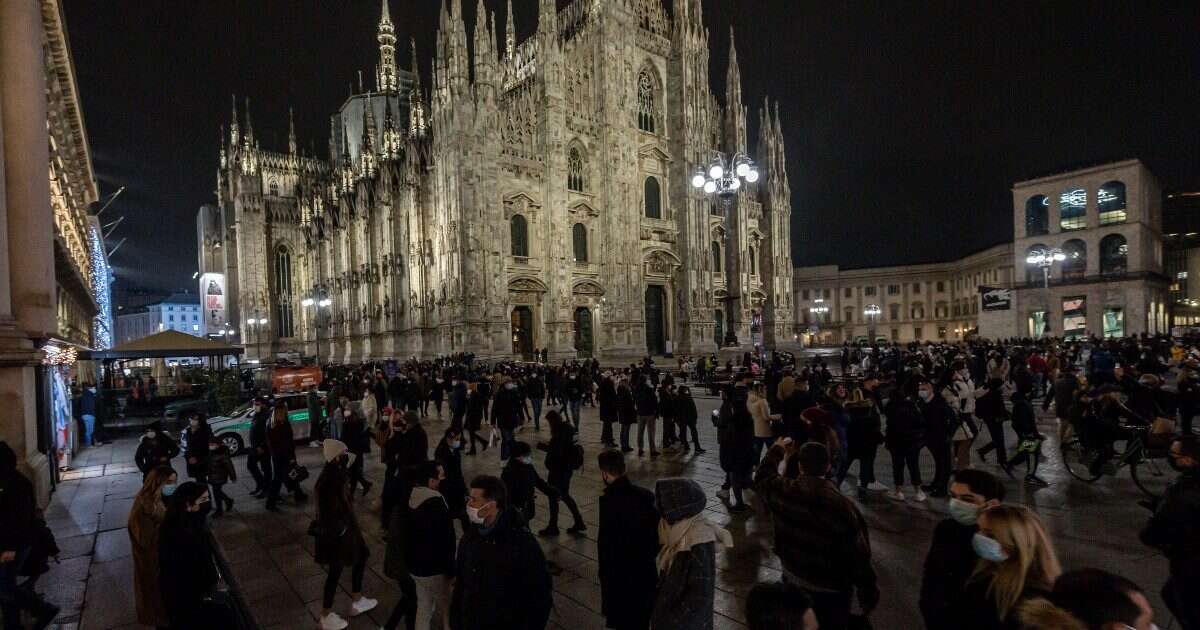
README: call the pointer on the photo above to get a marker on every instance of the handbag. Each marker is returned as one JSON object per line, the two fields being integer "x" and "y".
{"x": 297, "y": 473}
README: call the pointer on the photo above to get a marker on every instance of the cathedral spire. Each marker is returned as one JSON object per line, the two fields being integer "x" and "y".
{"x": 366, "y": 150}
{"x": 234, "y": 137}
{"x": 548, "y": 17}
{"x": 291, "y": 132}
{"x": 735, "y": 110}
{"x": 416, "y": 107}
{"x": 385, "y": 74}
{"x": 484, "y": 58}
{"x": 249, "y": 126}
{"x": 510, "y": 35}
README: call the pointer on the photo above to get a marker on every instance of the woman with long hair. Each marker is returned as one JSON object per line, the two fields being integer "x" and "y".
{"x": 145, "y": 517}
{"x": 1016, "y": 562}
{"x": 339, "y": 540}
{"x": 281, "y": 443}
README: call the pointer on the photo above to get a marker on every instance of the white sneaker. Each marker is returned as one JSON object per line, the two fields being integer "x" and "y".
{"x": 896, "y": 495}
{"x": 875, "y": 486}
{"x": 363, "y": 605}
{"x": 333, "y": 621}
{"x": 314, "y": 444}
{"x": 920, "y": 496}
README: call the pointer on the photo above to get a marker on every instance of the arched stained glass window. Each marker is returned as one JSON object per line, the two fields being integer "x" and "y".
{"x": 519, "y": 232}
{"x": 646, "y": 102}
{"x": 579, "y": 242}
{"x": 653, "y": 199}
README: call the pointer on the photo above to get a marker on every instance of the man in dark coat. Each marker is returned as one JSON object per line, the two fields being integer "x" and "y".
{"x": 1175, "y": 530}
{"x": 939, "y": 420}
{"x": 501, "y": 582}
{"x": 951, "y": 557}
{"x": 820, "y": 536}
{"x": 627, "y": 546}
{"x": 509, "y": 412}
{"x": 198, "y": 434}
{"x": 737, "y": 441}
{"x": 155, "y": 449}
{"x": 606, "y": 396}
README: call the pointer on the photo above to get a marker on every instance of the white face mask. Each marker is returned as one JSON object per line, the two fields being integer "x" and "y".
{"x": 473, "y": 514}
{"x": 526, "y": 459}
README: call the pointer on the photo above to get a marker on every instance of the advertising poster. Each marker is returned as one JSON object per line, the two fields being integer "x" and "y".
{"x": 996, "y": 299}
{"x": 213, "y": 298}
{"x": 60, "y": 411}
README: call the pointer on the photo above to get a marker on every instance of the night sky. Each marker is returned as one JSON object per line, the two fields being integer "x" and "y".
{"x": 905, "y": 126}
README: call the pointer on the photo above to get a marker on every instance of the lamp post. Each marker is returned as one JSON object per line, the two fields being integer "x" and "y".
{"x": 1045, "y": 258}
{"x": 871, "y": 312}
{"x": 817, "y": 311}
{"x": 321, "y": 303}
{"x": 723, "y": 179}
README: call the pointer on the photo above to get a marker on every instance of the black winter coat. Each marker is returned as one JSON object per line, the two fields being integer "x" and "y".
{"x": 429, "y": 534}
{"x": 522, "y": 479}
{"x": 905, "y": 424}
{"x": 645, "y": 400}
{"x": 950, "y": 561}
{"x": 356, "y": 435}
{"x": 454, "y": 486}
{"x": 197, "y": 448}
{"x": 476, "y": 403}
{"x": 685, "y": 407}
{"x": 865, "y": 431}
{"x": 186, "y": 573}
{"x": 974, "y": 609}
{"x": 153, "y": 452}
{"x": 626, "y": 407}
{"x": 627, "y": 546}
{"x": 938, "y": 418}
{"x": 508, "y": 409}
{"x": 606, "y": 396}
{"x": 559, "y": 451}
{"x": 737, "y": 434}
{"x": 1174, "y": 528}
{"x": 501, "y": 582}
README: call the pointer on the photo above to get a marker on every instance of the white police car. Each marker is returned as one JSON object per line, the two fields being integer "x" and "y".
{"x": 234, "y": 429}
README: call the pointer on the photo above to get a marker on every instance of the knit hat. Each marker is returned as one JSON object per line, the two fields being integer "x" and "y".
{"x": 679, "y": 498}
{"x": 332, "y": 449}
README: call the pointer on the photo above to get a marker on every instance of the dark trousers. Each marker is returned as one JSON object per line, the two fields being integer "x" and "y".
{"x": 260, "y": 469}
{"x": 606, "y": 432}
{"x": 335, "y": 573}
{"x": 996, "y": 430}
{"x": 536, "y": 404}
{"x": 832, "y": 609}
{"x": 684, "y": 427}
{"x": 668, "y": 425}
{"x": 1182, "y": 596}
{"x": 625, "y": 434}
{"x": 473, "y": 438}
{"x": 396, "y": 491}
{"x": 14, "y": 598}
{"x": 219, "y": 498}
{"x": 866, "y": 467}
{"x": 902, "y": 457}
{"x": 281, "y": 479}
{"x": 406, "y": 607}
{"x": 939, "y": 448}
{"x": 560, "y": 480}
{"x": 356, "y": 473}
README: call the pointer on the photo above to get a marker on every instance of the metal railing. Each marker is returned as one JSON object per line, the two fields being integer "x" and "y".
{"x": 240, "y": 607}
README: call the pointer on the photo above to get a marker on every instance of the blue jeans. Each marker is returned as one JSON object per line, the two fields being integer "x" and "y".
{"x": 573, "y": 411}
{"x": 507, "y": 439}
{"x": 89, "y": 427}
{"x": 537, "y": 413}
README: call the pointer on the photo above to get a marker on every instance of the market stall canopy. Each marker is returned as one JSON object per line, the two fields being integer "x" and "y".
{"x": 169, "y": 343}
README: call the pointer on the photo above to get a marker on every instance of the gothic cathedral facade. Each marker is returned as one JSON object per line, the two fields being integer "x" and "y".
{"x": 537, "y": 196}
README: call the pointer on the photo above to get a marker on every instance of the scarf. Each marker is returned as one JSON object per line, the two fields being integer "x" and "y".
{"x": 685, "y": 534}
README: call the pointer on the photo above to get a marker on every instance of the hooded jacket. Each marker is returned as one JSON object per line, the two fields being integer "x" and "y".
{"x": 429, "y": 536}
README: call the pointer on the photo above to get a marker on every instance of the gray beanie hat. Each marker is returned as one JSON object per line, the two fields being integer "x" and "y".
{"x": 679, "y": 498}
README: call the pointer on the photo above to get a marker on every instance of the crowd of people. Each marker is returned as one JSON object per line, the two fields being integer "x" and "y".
{"x": 464, "y": 557}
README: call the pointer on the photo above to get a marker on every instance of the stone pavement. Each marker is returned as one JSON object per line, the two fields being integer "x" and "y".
{"x": 1092, "y": 526}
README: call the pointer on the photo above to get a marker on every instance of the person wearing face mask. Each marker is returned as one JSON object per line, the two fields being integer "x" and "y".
{"x": 938, "y": 420}
{"x": 356, "y": 433}
{"x": 454, "y": 487}
{"x": 196, "y": 436}
{"x": 1016, "y": 563}
{"x": 509, "y": 413}
{"x": 281, "y": 444}
{"x": 626, "y": 547}
{"x": 563, "y": 456}
{"x": 951, "y": 557}
{"x": 155, "y": 449}
{"x": 145, "y": 518}
{"x": 1089, "y": 599}
{"x": 429, "y": 542}
{"x": 220, "y": 472}
{"x": 1029, "y": 448}
{"x": 339, "y": 539}
{"x": 522, "y": 480}
{"x": 186, "y": 574}
{"x": 961, "y": 396}
{"x": 501, "y": 579}
{"x": 1174, "y": 529}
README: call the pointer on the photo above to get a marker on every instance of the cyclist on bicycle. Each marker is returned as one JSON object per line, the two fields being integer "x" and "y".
{"x": 1103, "y": 425}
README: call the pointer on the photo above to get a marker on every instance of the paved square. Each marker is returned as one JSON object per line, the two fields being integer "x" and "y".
{"x": 1092, "y": 525}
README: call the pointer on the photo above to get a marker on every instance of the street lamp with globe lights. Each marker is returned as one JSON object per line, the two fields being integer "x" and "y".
{"x": 723, "y": 178}
{"x": 818, "y": 310}
{"x": 1045, "y": 258}
{"x": 872, "y": 312}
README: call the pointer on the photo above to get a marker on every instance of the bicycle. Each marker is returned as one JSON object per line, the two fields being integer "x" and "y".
{"x": 1147, "y": 463}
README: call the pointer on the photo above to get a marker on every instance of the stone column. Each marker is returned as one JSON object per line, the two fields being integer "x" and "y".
{"x": 27, "y": 290}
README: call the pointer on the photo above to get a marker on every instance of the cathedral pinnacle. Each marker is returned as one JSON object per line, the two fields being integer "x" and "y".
{"x": 291, "y": 132}
{"x": 385, "y": 74}
{"x": 510, "y": 35}
{"x": 416, "y": 107}
{"x": 234, "y": 137}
